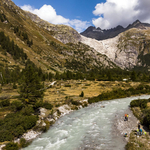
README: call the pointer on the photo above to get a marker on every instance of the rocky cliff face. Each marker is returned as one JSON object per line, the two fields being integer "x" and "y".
{"x": 63, "y": 33}
{"x": 128, "y": 50}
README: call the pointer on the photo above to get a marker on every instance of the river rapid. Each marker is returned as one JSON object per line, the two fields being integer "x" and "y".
{"x": 89, "y": 128}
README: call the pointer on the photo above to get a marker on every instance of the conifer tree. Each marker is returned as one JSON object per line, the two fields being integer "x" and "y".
{"x": 82, "y": 94}
{"x": 133, "y": 76}
{"x": 30, "y": 88}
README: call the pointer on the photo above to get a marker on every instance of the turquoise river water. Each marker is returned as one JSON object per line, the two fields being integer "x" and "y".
{"x": 89, "y": 128}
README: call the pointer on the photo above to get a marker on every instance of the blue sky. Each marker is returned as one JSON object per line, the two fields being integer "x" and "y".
{"x": 80, "y": 14}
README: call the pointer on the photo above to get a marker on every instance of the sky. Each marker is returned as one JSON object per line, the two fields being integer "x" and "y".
{"x": 80, "y": 14}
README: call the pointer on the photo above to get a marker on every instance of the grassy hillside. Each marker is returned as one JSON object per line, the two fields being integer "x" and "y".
{"x": 42, "y": 48}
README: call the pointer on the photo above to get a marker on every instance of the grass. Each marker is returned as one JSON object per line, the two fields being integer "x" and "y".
{"x": 3, "y": 112}
{"x": 90, "y": 88}
{"x": 139, "y": 142}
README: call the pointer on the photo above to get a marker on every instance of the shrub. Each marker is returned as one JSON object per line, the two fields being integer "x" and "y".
{"x": 67, "y": 85}
{"x": 11, "y": 146}
{"x": 18, "y": 131}
{"x": 16, "y": 105}
{"x": 43, "y": 104}
{"x": 4, "y": 103}
{"x": 47, "y": 105}
{"x": 139, "y": 103}
{"x": 29, "y": 122}
{"x": 27, "y": 111}
{"x": 75, "y": 102}
{"x": 14, "y": 86}
{"x": 23, "y": 143}
{"x": 38, "y": 104}
{"x": 5, "y": 135}
{"x": 146, "y": 119}
{"x": 15, "y": 124}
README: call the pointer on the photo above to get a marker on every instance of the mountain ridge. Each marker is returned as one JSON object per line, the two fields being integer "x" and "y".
{"x": 60, "y": 47}
{"x": 128, "y": 50}
{"x": 99, "y": 34}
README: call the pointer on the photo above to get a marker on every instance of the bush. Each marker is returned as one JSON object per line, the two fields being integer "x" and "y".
{"x": 18, "y": 131}
{"x": 139, "y": 103}
{"x": 4, "y": 103}
{"x": 11, "y": 146}
{"x": 27, "y": 111}
{"x": 23, "y": 143}
{"x": 43, "y": 104}
{"x": 146, "y": 119}
{"x": 5, "y": 135}
{"x": 15, "y": 124}
{"x": 134, "y": 103}
{"x": 75, "y": 102}
{"x": 16, "y": 105}
{"x": 14, "y": 86}
{"x": 47, "y": 105}
{"x": 38, "y": 104}
{"x": 29, "y": 122}
{"x": 67, "y": 85}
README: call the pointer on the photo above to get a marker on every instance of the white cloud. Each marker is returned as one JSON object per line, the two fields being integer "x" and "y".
{"x": 78, "y": 24}
{"x": 120, "y": 12}
{"x": 48, "y": 13}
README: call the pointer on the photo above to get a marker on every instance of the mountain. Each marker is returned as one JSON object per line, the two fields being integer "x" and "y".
{"x": 50, "y": 47}
{"x": 130, "y": 49}
{"x": 99, "y": 34}
{"x": 59, "y": 47}
{"x": 63, "y": 33}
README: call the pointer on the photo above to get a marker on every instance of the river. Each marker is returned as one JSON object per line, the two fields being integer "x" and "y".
{"x": 89, "y": 128}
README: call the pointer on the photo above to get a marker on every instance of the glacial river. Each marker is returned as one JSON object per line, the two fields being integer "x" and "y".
{"x": 90, "y": 128}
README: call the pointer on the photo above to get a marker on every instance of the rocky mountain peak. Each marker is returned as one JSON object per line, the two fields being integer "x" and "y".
{"x": 110, "y": 33}
{"x": 136, "y": 23}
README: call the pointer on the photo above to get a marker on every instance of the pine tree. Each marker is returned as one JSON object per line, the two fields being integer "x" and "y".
{"x": 133, "y": 76}
{"x": 82, "y": 94}
{"x": 30, "y": 88}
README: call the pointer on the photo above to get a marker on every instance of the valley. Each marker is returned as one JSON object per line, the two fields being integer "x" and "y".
{"x": 48, "y": 71}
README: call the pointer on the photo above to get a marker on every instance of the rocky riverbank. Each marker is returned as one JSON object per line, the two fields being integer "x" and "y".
{"x": 123, "y": 127}
{"x": 132, "y": 141}
{"x": 46, "y": 119}
{"x": 119, "y": 129}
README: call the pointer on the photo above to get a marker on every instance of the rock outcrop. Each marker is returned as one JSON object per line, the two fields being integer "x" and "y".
{"x": 127, "y": 50}
{"x": 63, "y": 33}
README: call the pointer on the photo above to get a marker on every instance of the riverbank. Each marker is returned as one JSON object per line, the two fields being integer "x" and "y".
{"x": 46, "y": 119}
{"x": 90, "y": 128}
{"x": 51, "y": 116}
{"x": 121, "y": 127}
{"x": 139, "y": 142}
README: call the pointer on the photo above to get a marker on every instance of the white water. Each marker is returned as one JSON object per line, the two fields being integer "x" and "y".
{"x": 89, "y": 128}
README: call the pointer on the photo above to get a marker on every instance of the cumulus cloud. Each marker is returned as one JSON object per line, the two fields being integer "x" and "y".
{"x": 144, "y": 7}
{"x": 48, "y": 13}
{"x": 120, "y": 12}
